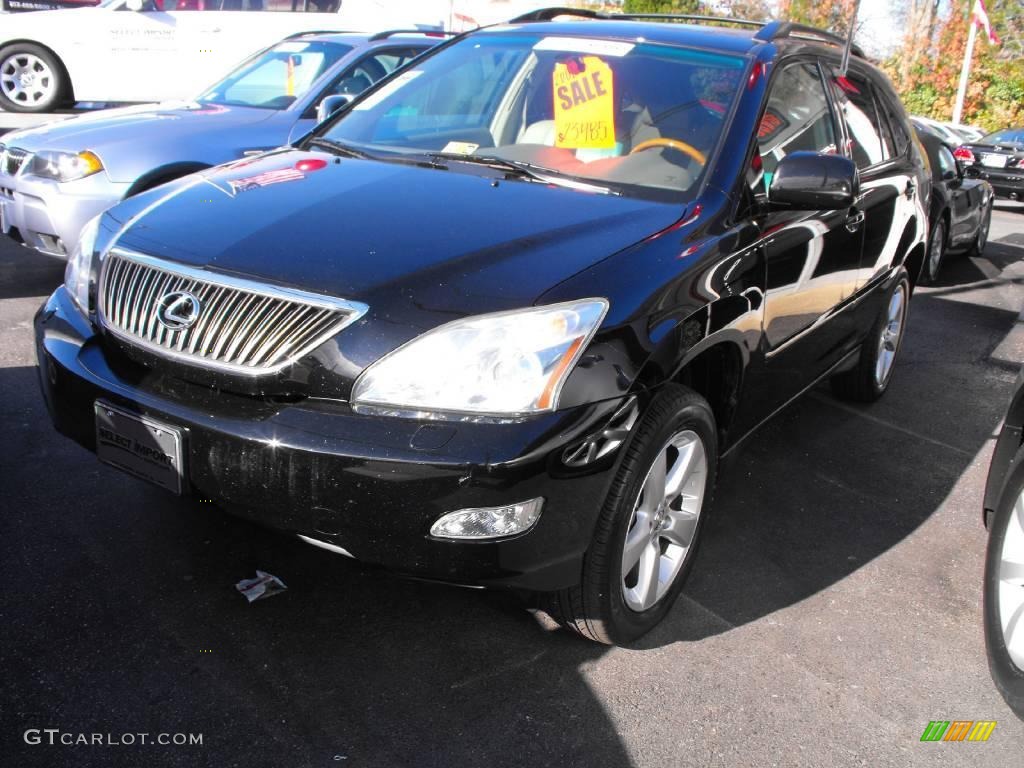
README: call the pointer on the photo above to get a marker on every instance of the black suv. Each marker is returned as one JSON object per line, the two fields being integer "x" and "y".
{"x": 496, "y": 321}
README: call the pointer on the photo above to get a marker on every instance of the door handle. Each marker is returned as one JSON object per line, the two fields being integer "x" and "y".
{"x": 854, "y": 220}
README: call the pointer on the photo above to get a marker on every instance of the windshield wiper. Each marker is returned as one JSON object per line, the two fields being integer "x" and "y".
{"x": 523, "y": 169}
{"x": 337, "y": 148}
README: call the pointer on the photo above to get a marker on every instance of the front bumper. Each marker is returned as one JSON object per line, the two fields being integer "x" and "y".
{"x": 47, "y": 215}
{"x": 370, "y": 485}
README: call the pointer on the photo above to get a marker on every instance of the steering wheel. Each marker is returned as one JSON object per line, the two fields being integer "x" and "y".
{"x": 682, "y": 146}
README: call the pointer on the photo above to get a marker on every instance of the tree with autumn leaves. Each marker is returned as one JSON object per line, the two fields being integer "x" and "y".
{"x": 926, "y": 68}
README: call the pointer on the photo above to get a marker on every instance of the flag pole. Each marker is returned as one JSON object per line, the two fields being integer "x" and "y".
{"x": 961, "y": 92}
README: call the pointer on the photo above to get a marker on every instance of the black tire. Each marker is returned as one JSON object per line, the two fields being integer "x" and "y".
{"x": 60, "y": 91}
{"x": 596, "y": 608}
{"x": 1008, "y": 677}
{"x": 936, "y": 253}
{"x": 861, "y": 384}
{"x": 981, "y": 239}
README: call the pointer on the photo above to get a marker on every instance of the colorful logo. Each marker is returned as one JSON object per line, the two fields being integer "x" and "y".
{"x": 958, "y": 730}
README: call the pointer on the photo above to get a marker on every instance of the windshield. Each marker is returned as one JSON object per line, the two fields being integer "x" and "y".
{"x": 277, "y": 77}
{"x": 633, "y": 117}
{"x": 1004, "y": 137}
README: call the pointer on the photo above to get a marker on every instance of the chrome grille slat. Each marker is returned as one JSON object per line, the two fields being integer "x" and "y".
{"x": 11, "y": 160}
{"x": 242, "y": 326}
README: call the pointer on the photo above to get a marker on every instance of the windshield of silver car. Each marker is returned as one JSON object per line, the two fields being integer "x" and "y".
{"x": 278, "y": 76}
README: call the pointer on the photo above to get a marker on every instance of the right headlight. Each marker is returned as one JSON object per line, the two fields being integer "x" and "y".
{"x": 505, "y": 364}
{"x": 78, "y": 273}
{"x": 64, "y": 166}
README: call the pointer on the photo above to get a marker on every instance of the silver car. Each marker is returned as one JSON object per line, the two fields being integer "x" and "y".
{"x": 55, "y": 178}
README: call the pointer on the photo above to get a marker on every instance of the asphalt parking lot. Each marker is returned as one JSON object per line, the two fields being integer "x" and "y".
{"x": 833, "y": 612}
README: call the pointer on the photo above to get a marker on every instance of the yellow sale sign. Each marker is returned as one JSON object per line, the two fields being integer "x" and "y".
{"x": 584, "y": 104}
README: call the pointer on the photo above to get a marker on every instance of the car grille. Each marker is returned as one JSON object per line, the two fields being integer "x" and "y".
{"x": 240, "y": 326}
{"x": 11, "y": 160}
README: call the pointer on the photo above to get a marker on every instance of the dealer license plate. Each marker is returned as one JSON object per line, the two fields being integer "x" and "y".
{"x": 139, "y": 446}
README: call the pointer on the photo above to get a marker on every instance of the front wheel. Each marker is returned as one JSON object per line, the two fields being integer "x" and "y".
{"x": 870, "y": 379}
{"x": 1004, "y": 591}
{"x": 31, "y": 79}
{"x": 650, "y": 524}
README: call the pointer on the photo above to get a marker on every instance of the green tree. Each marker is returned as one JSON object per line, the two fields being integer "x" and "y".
{"x": 663, "y": 6}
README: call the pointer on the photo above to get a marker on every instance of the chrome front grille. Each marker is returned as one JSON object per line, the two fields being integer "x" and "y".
{"x": 241, "y": 326}
{"x": 11, "y": 159}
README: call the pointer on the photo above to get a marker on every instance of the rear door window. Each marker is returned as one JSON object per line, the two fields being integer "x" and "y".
{"x": 857, "y": 103}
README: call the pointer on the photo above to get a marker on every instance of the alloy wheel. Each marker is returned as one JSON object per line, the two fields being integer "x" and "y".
{"x": 663, "y": 525}
{"x": 892, "y": 331}
{"x": 1011, "y": 584}
{"x": 935, "y": 251}
{"x": 26, "y": 79}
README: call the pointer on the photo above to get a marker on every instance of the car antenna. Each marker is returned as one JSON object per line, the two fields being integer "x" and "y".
{"x": 849, "y": 39}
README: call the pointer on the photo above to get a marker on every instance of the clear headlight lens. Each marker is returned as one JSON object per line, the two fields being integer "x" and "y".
{"x": 79, "y": 269}
{"x": 507, "y": 363}
{"x": 64, "y": 166}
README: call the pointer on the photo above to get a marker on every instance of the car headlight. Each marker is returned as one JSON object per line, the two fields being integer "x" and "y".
{"x": 79, "y": 270}
{"x": 508, "y": 363}
{"x": 64, "y": 166}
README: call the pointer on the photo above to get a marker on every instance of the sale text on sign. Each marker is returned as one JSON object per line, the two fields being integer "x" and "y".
{"x": 584, "y": 92}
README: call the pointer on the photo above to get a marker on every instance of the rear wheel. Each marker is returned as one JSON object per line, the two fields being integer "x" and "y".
{"x": 936, "y": 252}
{"x": 869, "y": 380}
{"x": 31, "y": 79}
{"x": 647, "y": 534}
{"x": 981, "y": 240}
{"x": 1004, "y": 591}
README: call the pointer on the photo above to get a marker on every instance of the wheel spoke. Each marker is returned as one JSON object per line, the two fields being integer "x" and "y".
{"x": 654, "y": 487}
{"x": 679, "y": 473}
{"x": 636, "y": 540}
{"x": 647, "y": 576}
{"x": 1011, "y": 573}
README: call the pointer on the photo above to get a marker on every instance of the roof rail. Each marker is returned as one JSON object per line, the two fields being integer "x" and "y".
{"x": 778, "y": 29}
{"x": 429, "y": 32}
{"x": 293, "y": 35}
{"x": 547, "y": 14}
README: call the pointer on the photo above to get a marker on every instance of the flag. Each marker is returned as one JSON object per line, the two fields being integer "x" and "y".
{"x": 980, "y": 16}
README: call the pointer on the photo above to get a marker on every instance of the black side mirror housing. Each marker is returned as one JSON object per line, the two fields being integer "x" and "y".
{"x": 812, "y": 181}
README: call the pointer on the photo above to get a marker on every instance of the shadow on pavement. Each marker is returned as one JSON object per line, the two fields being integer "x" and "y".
{"x": 25, "y": 273}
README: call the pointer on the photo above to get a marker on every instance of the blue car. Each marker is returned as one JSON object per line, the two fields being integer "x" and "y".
{"x": 56, "y": 177}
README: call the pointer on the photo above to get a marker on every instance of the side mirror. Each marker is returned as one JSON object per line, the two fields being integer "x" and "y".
{"x": 810, "y": 181}
{"x": 134, "y": 5}
{"x": 331, "y": 104}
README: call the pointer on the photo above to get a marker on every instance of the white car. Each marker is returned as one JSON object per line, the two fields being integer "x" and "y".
{"x": 156, "y": 50}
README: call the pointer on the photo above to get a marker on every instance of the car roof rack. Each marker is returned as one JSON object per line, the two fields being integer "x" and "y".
{"x": 775, "y": 30}
{"x": 767, "y": 31}
{"x": 430, "y": 32}
{"x": 548, "y": 14}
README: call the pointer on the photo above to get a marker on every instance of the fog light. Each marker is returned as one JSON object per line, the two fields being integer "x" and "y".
{"x": 488, "y": 522}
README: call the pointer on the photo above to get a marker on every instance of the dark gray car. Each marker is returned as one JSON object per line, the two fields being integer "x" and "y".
{"x": 55, "y": 178}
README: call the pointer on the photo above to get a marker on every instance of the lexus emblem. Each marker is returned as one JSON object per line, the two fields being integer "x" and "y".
{"x": 178, "y": 310}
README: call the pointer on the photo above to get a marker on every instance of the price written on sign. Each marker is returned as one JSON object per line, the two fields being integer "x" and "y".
{"x": 584, "y": 92}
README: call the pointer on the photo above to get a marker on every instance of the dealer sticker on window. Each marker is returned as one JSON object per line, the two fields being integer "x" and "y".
{"x": 584, "y": 103}
{"x": 584, "y": 45}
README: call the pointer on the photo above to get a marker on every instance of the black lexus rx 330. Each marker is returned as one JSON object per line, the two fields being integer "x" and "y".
{"x": 496, "y": 322}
